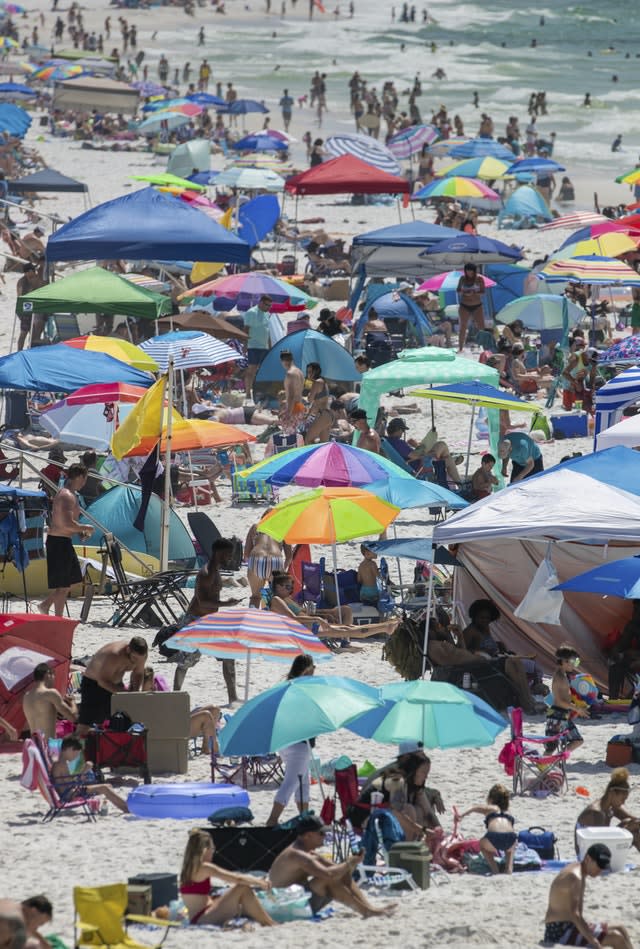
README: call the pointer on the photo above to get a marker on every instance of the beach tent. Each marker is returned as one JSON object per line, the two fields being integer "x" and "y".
{"x": 346, "y": 175}
{"x": 524, "y": 208}
{"x": 578, "y": 513}
{"x": 95, "y": 291}
{"x": 395, "y": 252}
{"x": 146, "y": 225}
{"x": 14, "y": 119}
{"x": 614, "y": 396}
{"x": 390, "y": 302}
{"x": 87, "y": 92}
{"x": 47, "y": 180}
{"x": 26, "y": 639}
{"x": 419, "y": 367}
{"x": 117, "y": 510}
{"x": 625, "y": 432}
{"x": 62, "y": 368}
{"x": 309, "y": 346}
{"x": 190, "y": 156}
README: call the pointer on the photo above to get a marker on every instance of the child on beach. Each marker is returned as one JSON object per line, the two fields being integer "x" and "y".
{"x": 368, "y": 576}
{"x": 70, "y": 785}
{"x": 563, "y": 711}
{"x": 483, "y": 479}
{"x": 500, "y": 838}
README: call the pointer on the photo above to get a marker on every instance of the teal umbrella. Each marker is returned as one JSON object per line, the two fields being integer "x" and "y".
{"x": 295, "y": 711}
{"x": 542, "y": 311}
{"x": 435, "y": 713}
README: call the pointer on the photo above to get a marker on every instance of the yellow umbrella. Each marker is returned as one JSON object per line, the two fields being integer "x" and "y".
{"x": 611, "y": 244}
{"x": 118, "y": 349}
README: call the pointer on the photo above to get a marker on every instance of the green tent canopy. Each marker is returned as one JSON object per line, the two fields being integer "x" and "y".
{"x": 95, "y": 291}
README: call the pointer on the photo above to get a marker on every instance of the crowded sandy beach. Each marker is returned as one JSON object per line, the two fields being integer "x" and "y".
{"x": 326, "y": 318}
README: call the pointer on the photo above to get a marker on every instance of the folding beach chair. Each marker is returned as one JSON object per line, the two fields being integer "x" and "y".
{"x": 535, "y": 766}
{"x": 247, "y": 770}
{"x": 36, "y": 776}
{"x": 250, "y": 490}
{"x": 100, "y": 918}
{"x": 312, "y": 590}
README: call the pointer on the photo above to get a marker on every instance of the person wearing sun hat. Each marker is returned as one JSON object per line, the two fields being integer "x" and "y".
{"x": 564, "y": 921}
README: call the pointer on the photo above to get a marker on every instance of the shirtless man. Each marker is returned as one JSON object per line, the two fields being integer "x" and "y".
{"x": 63, "y": 568}
{"x": 43, "y": 703}
{"x": 104, "y": 676}
{"x": 293, "y": 383}
{"x": 37, "y": 912}
{"x": 564, "y": 922}
{"x": 12, "y": 927}
{"x": 206, "y": 599}
{"x": 368, "y": 438}
{"x": 265, "y": 556}
{"x": 325, "y": 881}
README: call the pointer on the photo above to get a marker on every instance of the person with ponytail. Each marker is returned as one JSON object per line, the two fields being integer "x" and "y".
{"x": 611, "y": 805}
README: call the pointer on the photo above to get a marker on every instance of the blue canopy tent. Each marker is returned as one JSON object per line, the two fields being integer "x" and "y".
{"x": 144, "y": 225}
{"x": 394, "y": 252}
{"x": 391, "y": 303}
{"x": 308, "y": 346}
{"x": 48, "y": 179}
{"x": 62, "y": 368}
{"x": 117, "y": 510}
{"x": 524, "y": 208}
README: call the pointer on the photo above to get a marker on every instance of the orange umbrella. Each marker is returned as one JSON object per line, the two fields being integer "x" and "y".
{"x": 192, "y": 434}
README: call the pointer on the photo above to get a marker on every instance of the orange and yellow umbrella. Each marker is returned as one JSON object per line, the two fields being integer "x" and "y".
{"x": 328, "y": 516}
{"x": 117, "y": 348}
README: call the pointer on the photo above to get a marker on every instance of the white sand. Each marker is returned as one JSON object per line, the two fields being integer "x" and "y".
{"x": 470, "y": 911}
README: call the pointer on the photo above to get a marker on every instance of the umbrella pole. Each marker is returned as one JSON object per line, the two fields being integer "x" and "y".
{"x": 395, "y": 534}
{"x": 425, "y": 644}
{"x": 335, "y": 574}
{"x": 246, "y": 675}
{"x": 166, "y": 503}
{"x": 473, "y": 416}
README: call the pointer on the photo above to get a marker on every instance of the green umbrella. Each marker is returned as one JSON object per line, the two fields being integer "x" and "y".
{"x": 167, "y": 180}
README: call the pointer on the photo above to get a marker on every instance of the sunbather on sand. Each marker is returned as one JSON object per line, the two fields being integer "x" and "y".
{"x": 70, "y": 785}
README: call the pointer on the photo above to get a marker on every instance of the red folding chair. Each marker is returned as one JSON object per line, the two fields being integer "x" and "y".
{"x": 536, "y": 762}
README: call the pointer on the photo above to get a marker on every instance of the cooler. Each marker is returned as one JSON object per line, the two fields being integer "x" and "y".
{"x": 617, "y": 839}
{"x": 415, "y": 858}
{"x": 571, "y": 425}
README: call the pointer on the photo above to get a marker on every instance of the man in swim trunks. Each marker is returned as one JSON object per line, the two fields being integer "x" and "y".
{"x": 326, "y": 881}
{"x": 104, "y": 676}
{"x": 294, "y": 409}
{"x": 256, "y": 320}
{"x": 42, "y": 703}
{"x": 565, "y": 924}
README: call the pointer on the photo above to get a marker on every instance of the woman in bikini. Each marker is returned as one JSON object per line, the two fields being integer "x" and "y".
{"x": 265, "y": 557}
{"x": 320, "y": 418}
{"x": 471, "y": 289}
{"x": 500, "y": 837}
{"x": 195, "y": 886}
{"x": 281, "y": 601}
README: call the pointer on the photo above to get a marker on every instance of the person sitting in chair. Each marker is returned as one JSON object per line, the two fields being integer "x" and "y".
{"x": 281, "y": 601}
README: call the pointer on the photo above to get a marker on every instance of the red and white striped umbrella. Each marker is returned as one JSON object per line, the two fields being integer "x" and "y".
{"x": 574, "y": 221}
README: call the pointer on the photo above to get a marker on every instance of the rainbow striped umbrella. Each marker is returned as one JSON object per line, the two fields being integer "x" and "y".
{"x": 5, "y": 41}
{"x": 456, "y": 187}
{"x": 629, "y": 177}
{"x": 245, "y": 633}
{"x": 595, "y": 270}
{"x": 487, "y": 168}
{"x": 444, "y": 145}
{"x": 574, "y": 221}
{"x": 606, "y": 245}
{"x": 58, "y": 72}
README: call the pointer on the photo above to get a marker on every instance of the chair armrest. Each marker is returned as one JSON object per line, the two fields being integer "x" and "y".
{"x": 150, "y": 920}
{"x": 87, "y": 927}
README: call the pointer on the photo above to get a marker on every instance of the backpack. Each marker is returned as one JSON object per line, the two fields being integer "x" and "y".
{"x": 403, "y": 649}
{"x": 120, "y": 722}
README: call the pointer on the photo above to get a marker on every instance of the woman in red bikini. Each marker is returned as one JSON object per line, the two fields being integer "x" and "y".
{"x": 195, "y": 887}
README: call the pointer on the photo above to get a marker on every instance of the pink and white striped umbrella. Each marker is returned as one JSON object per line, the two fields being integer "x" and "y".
{"x": 574, "y": 221}
{"x": 409, "y": 141}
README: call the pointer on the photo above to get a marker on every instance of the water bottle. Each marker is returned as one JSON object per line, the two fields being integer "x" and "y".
{"x": 466, "y": 680}
{"x": 22, "y": 520}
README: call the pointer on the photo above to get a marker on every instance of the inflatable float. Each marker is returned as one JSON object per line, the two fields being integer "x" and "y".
{"x": 184, "y": 801}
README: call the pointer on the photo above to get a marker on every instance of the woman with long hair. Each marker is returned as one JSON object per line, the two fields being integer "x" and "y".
{"x": 610, "y": 806}
{"x": 195, "y": 886}
{"x": 296, "y": 758}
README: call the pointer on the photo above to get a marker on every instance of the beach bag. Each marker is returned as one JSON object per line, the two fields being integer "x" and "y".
{"x": 403, "y": 649}
{"x": 541, "y": 840}
{"x": 120, "y": 722}
{"x": 541, "y": 603}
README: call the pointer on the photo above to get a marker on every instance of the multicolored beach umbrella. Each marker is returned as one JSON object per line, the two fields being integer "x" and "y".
{"x": 246, "y": 289}
{"x": 575, "y": 220}
{"x": 410, "y": 141}
{"x": 59, "y": 72}
{"x": 456, "y": 187}
{"x": 606, "y": 245}
{"x": 447, "y": 281}
{"x": 594, "y": 270}
{"x": 625, "y": 351}
{"x": 597, "y": 230}
{"x": 485, "y": 168}
{"x": 629, "y": 177}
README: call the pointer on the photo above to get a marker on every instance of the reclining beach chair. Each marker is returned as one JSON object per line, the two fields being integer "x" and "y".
{"x": 250, "y": 490}
{"x": 36, "y": 776}
{"x": 100, "y": 918}
{"x": 538, "y": 762}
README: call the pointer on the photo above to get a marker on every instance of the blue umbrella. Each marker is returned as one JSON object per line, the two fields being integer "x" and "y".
{"x": 173, "y": 120}
{"x": 484, "y": 147}
{"x": 616, "y": 578}
{"x": 260, "y": 143}
{"x": 295, "y": 711}
{"x": 471, "y": 248}
{"x": 414, "y": 548}
{"x": 16, "y": 90}
{"x": 205, "y": 99}
{"x": 61, "y": 368}
{"x": 203, "y": 177}
{"x": 436, "y": 713}
{"x": 406, "y": 492}
{"x": 535, "y": 166}
{"x": 542, "y": 311}
{"x": 243, "y": 106}
{"x": 309, "y": 346}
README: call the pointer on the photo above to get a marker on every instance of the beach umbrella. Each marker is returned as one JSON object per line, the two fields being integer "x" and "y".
{"x": 597, "y": 230}
{"x": 471, "y": 248}
{"x": 629, "y": 177}
{"x": 410, "y": 141}
{"x": 118, "y": 348}
{"x": 626, "y": 351}
{"x": 166, "y": 180}
{"x": 293, "y": 711}
{"x": 575, "y": 220}
{"x": 147, "y": 88}
{"x": 245, "y": 290}
{"x": 331, "y": 464}
{"x": 612, "y": 244}
{"x": 365, "y": 148}
{"x": 594, "y": 270}
{"x": 204, "y": 322}
{"x": 61, "y": 368}
{"x": 154, "y": 123}
{"x": 536, "y": 166}
{"x": 249, "y": 179}
{"x": 7, "y": 43}
{"x": 476, "y": 394}
{"x": 243, "y": 107}
{"x": 436, "y": 713}
{"x": 485, "y": 168}
{"x": 542, "y": 311}
{"x": 206, "y": 99}
{"x": 447, "y": 282}
{"x": 456, "y": 187}
{"x": 615, "y": 578}
{"x": 442, "y": 147}
{"x": 15, "y": 90}
{"x": 247, "y": 633}
{"x": 192, "y": 435}
{"x": 185, "y": 108}
{"x": 188, "y": 350}
{"x": 481, "y": 147}
{"x": 103, "y": 392}
{"x": 160, "y": 103}
{"x": 406, "y": 492}
{"x": 414, "y": 548}
{"x": 260, "y": 143}
{"x": 59, "y": 72}
{"x": 89, "y": 425}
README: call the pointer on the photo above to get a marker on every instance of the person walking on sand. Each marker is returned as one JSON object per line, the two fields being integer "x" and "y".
{"x": 63, "y": 567}
{"x": 564, "y": 920}
{"x": 471, "y": 289}
{"x": 42, "y": 703}
{"x": 286, "y": 105}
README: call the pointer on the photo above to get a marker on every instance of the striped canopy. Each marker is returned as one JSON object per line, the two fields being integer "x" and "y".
{"x": 593, "y": 270}
{"x": 575, "y": 220}
{"x": 189, "y": 350}
{"x": 366, "y": 149}
{"x": 615, "y": 395}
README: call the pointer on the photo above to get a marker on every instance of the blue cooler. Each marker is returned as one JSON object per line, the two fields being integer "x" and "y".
{"x": 571, "y": 425}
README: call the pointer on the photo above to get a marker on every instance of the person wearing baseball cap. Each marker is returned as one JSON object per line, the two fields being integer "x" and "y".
{"x": 396, "y": 428}
{"x": 368, "y": 438}
{"x": 325, "y": 881}
{"x": 565, "y": 922}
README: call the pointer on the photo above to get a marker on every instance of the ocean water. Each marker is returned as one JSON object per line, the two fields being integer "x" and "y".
{"x": 481, "y": 47}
